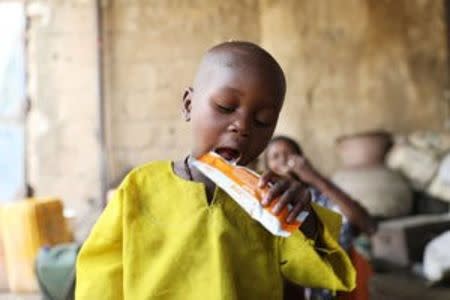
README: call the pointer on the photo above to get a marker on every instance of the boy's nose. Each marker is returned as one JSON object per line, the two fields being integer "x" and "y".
{"x": 241, "y": 126}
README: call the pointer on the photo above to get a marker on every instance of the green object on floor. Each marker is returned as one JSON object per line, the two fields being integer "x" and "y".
{"x": 55, "y": 271}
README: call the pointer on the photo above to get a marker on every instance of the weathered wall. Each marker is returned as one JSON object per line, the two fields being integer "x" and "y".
{"x": 357, "y": 65}
{"x": 153, "y": 51}
{"x": 351, "y": 65}
{"x": 62, "y": 143}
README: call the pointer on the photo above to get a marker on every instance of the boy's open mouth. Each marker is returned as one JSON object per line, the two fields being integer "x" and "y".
{"x": 230, "y": 154}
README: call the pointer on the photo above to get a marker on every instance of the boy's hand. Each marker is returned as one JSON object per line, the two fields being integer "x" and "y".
{"x": 290, "y": 191}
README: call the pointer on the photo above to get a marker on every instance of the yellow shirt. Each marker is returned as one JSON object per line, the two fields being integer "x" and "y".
{"x": 160, "y": 239}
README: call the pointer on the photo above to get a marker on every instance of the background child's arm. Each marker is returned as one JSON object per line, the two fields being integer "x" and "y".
{"x": 99, "y": 264}
{"x": 352, "y": 210}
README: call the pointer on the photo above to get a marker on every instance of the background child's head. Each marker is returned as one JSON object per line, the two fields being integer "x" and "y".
{"x": 235, "y": 101}
{"x": 278, "y": 152}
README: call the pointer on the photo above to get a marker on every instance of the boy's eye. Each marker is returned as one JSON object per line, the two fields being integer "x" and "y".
{"x": 225, "y": 109}
{"x": 260, "y": 123}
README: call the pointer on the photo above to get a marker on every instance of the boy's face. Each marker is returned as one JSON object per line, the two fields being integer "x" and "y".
{"x": 233, "y": 111}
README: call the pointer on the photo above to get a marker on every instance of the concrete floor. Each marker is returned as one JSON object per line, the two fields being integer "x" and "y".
{"x": 6, "y": 296}
{"x": 403, "y": 286}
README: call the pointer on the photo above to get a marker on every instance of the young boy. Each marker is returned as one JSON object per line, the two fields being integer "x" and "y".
{"x": 170, "y": 233}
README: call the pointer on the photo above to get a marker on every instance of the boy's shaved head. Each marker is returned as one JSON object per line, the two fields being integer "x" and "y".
{"x": 241, "y": 54}
{"x": 234, "y": 102}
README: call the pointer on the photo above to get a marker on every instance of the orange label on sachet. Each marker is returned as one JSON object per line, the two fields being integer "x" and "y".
{"x": 242, "y": 185}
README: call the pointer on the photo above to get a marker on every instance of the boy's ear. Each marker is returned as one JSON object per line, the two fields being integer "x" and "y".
{"x": 187, "y": 103}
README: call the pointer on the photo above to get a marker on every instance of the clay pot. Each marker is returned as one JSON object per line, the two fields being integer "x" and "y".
{"x": 363, "y": 149}
{"x": 383, "y": 192}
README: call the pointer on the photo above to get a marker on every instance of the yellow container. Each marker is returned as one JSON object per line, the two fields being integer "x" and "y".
{"x": 26, "y": 227}
{"x": 3, "y": 280}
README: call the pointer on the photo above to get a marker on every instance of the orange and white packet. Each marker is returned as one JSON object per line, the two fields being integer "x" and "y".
{"x": 242, "y": 185}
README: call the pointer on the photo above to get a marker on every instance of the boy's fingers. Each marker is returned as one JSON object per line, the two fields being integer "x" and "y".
{"x": 300, "y": 206}
{"x": 307, "y": 196}
{"x": 294, "y": 212}
{"x": 287, "y": 197}
{"x": 265, "y": 178}
{"x": 276, "y": 190}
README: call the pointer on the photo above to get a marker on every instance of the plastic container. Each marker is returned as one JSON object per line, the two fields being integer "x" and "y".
{"x": 26, "y": 226}
{"x": 3, "y": 279}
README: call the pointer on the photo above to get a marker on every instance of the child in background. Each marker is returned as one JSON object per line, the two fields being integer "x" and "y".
{"x": 285, "y": 157}
{"x": 170, "y": 233}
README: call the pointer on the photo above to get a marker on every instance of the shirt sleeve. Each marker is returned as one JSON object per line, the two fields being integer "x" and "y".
{"x": 327, "y": 267}
{"x": 99, "y": 264}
